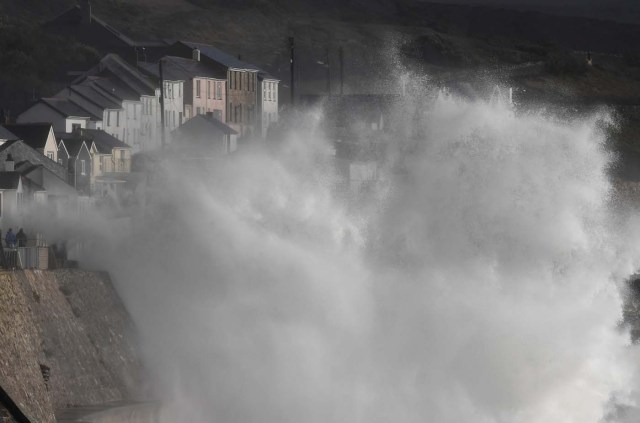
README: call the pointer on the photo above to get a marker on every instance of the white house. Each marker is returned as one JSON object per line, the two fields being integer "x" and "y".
{"x": 129, "y": 102}
{"x": 267, "y": 101}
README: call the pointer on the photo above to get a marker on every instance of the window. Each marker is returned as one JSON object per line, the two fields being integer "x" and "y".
{"x": 50, "y": 155}
{"x": 198, "y": 88}
{"x": 217, "y": 114}
{"x": 75, "y": 127}
{"x": 208, "y": 89}
{"x": 179, "y": 89}
{"x": 121, "y": 154}
{"x": 174, "y": 118}
{"x": 135, "y": 112}
{"x": 180, "y": 118}
{"x": 108, "y": 118}
{"x": 118, "y": 118}
{"x": 219, "y": 90}
{"x": 83, "y": 168}
{"x": 240, "y": 83}
{"x": 20, "y": 200}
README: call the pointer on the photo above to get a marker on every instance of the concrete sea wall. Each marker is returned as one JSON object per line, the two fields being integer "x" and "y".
{"x": 65, "y": 342}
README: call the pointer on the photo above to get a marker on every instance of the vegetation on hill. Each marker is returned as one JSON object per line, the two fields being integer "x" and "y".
{"x": 31, "y": 62}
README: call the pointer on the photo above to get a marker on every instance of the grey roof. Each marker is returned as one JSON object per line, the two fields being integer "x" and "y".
{"x": 104, "y": 142}
{"x": 220, "y": 56}
{"x": 68, "y": 107}
{"x": 34, "y": 135}
{"x": 88, "y": 91}
{"x": 181, "y": 69}
{"x": 72, "y": 143}
{"x": 265, "y": 75}
{"x": 9, "y": 180}
{"x": 200, "y": 124}
{"x": 5, "y": 134}
{"x": 117, "y": 77}
{"x": 21, "y": 151}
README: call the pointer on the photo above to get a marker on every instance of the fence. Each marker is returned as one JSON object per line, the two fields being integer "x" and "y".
{"x": 27, "y": 258}
{"x": 35, "y": 255}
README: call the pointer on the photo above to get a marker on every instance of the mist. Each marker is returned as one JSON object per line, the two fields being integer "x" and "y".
{"x": 478, "y": 279}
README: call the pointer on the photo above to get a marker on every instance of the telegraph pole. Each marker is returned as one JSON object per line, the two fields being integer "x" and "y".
{"x": 291, "y": 59}
{"x": 162, "y": 123}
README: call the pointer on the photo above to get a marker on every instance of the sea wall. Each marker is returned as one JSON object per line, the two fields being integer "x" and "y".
{"x": 65, "y": 342}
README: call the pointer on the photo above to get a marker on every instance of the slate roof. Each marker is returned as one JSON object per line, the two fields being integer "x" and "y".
{"x": 88, "y": 91}
{"x": 262, "y": 75}
{"x": 117, "y": 80}
{"x": 104, "y": 142}
{"x": 68, "y": 108}
{"x": 202, "y": 124}
{"x": 21, "y": 151}
{"x": 9, "y": 180}
{"x": 5, "y": 134}
{"x": 72, "y": 143}
{"x": 181, "y": 69}
{"x": 33, "y": 134}
{"x": 220, "y": 56}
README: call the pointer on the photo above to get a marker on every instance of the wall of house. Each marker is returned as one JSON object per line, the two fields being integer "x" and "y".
{"x": 70, "y": 121}
{"x": 42, "y": 113}
{"x": 174, "y": 104}
{"x": 113, "y": 122}
{"x": 149, "y": 123}
{"x": 242, "y": 104}
{"x": 268, "y": 104}
{"x": 51, "y": 147}
{"x": 83, "y": 179}
{"x": 132, "y": 125}
{"x": 210, "y": 98}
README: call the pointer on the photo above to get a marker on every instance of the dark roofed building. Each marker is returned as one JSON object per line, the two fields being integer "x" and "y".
{"x": 242, "y": 104}
{"x": 9, "y": 180}
{"x": 73, "y": 153}
{"x": 81, "y": 24}
{"x": 204, "y": 136}
{"x": 20, "y": 151}
{"x": 68, "y": 108}
{"x": 38, "y": 136}
{"x": 6, "y": 135}
{"x": 104, "y": 142}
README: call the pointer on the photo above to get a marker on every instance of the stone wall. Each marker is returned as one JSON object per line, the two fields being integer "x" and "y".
{"x": 65, "y": 342}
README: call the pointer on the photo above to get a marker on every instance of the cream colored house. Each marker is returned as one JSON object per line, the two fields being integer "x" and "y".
{"x": 111, "y": 163}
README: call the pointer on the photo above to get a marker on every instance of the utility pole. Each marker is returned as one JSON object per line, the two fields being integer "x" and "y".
{"x": 291, "y": 58}
{"x": 341, "y": 70}
{"x": 162, "y": 123}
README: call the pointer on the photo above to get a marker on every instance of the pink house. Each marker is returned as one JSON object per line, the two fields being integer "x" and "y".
{"x": 204, "y": 90}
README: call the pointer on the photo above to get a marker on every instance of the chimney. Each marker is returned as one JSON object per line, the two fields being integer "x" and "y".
{"x": 85, "y": 11}
{"x": 9, "y": 164}
{"x": 196, "y": 54}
